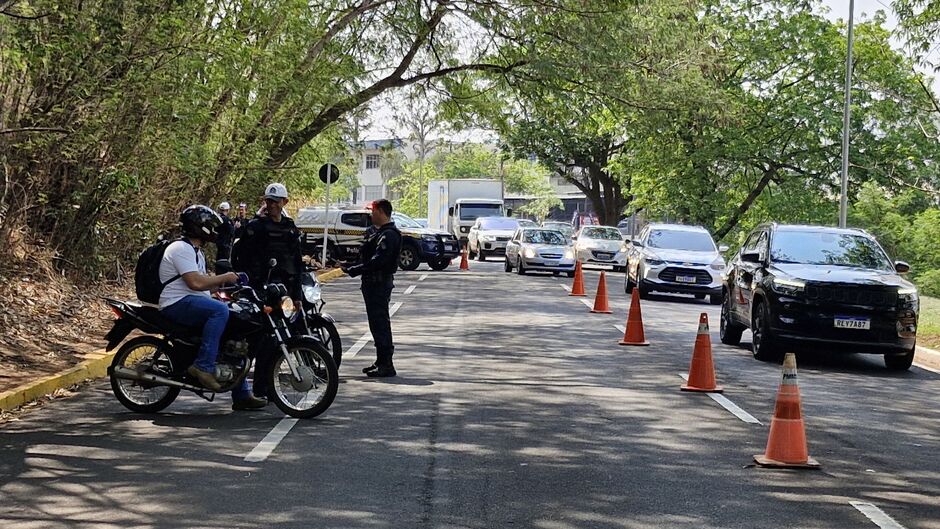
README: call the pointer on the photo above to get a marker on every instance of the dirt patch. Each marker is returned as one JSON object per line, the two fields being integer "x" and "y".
{"x": 47, "y": 323}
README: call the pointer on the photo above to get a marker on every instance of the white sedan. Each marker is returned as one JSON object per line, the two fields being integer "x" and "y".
{"x": 538, "y": 249}
{"x": 601, "y": 245}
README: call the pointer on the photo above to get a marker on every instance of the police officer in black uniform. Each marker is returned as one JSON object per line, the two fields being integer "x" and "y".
{"x": 378, "y": 261}
{"x": 273, "y": 235}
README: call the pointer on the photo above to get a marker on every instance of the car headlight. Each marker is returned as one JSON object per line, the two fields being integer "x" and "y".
{"x": 717, "y": 264}
{"x": 654, "y": 262}
{"x": 429, "y": 238}
{"x": 907, "y": 294}
{"x": 311, "y": 293}
{"x": 287, "y": 306}
{"x": 788, "y": 286}
{"x": 569, "y": 253}
{"x": 623, "y": 247}
{"x": 529, "y": 253}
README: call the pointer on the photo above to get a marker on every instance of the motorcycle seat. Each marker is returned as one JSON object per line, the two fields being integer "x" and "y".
{"x": 153, "y": 316}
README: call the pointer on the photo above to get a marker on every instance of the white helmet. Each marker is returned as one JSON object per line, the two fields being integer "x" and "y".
{"x": 225, "y": 206}
{"x": 276, "y": 191}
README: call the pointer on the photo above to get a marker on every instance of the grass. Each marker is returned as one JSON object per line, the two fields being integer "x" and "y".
{"x": 928, "y": 327}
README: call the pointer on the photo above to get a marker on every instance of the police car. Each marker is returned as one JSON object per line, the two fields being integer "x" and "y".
{"x": 347, "y": 226}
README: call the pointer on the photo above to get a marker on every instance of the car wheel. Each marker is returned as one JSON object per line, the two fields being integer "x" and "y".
{"x": 714, "y": 299}
{"x": 408, "y": 258}
{"x": 439, "y": 264}
{"x": 620, "y": 269}
{"x": 699, "y": 296}
{"x": 644, "y": 291}
{"x": 762, "y": 343}
{"x": 899, "y": 362}
{"x": 470, "y": 253}
{"x": 521, "y": 267}
{"x": 628, "y": 284}
{"x": 570, "y": 274}
{"x": 507, "y": 266}
{"x": 481, "y": 255}
{"x": 728, "y": 331}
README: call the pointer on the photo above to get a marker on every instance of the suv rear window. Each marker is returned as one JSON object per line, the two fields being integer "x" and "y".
{"x": 827, "y": 248}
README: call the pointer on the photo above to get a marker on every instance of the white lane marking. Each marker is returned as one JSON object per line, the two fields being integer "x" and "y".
{"x": 566, "y": 287}
{"x": 360, "y": 343}
{"x": 588, "y": 303}
{"x": 269, "y": 443}
{"x": 621, "y": 328}
{"x": 876, "y": 515}
{"x": 423, "y": 277}
{"x": 395, "y": 308}
{"x": 410, "y": 289}
{"x": 926, "y": 368}
{"x": 728, "y": 405}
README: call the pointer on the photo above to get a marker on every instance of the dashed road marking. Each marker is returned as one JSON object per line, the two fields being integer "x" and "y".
{"x": 410, "y": 289}
{"x": 360, "y": 343}
{"x": 621, "y": 328}
{"x": 728, "y": 405}
{"x": 566, "y": 287}
{"x": 876, "y": 515}
{"x": 395, "y": 308}
{"x": 588, "y": 303}
{"x": 267, "y": 445}
{"x": 423, "y": 277}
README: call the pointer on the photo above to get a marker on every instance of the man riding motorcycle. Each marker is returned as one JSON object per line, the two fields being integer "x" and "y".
{"x": 186, "y": 298}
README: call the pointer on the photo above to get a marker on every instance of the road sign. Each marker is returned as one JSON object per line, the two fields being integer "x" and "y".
{"x": 329, "y": 174}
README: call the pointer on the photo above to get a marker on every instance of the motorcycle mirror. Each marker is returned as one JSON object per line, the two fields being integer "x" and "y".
{"x": 272, "y": 262}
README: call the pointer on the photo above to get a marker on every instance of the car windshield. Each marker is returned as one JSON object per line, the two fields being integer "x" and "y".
{"x": 526, "y": 223}
{"x": 498, "y": 224}
{"x": 404, "y": 221}
{"x": 690, "y": 241}
{"x": 607, "y": 234}
{"x": 565, "y": 229}
{"x": 544, "y": 237}
{"x": 827, "y": 248}
{"x": 475, "y": 211}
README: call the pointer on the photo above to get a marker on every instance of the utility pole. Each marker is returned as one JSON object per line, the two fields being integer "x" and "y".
{"x": 846, "y": 123}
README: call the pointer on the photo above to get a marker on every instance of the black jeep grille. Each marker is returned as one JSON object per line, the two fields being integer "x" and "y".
{"x": 670, "y": 273}
{"x": 852, "y": 295}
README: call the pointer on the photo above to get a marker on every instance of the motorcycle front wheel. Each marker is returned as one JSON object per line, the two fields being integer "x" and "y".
{"x": 314, "y": 392}
{"x": 150, "y": 355}
{"x": 326, "y": 331}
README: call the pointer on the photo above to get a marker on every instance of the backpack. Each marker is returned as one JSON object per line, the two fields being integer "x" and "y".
{"x": 147, "y": 275}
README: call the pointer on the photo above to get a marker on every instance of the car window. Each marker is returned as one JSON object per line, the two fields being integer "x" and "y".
{"x": 361, "y": 220}
{"x": 827, "y": 248}
{"x": 692, "y": 241}
{"x": 544, "y": 237}
{"x": 404, "y": 221}
{"x": 472, "y": 211}
{"x": 498, "y": 224}
{"x": 607, "y": 234}
{"x": 750, "y": 245}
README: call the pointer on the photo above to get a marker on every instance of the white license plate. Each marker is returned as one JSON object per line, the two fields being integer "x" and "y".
{"x": 685, "y": 279}
{"x": 449, "y": 247}
{"x": 845, "y": 322}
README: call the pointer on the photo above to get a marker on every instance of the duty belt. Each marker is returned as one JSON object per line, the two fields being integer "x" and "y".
{"x": 377, "y": 278}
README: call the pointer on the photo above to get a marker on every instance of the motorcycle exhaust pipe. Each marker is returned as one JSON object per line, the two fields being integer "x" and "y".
{"x": 132, "y": 374}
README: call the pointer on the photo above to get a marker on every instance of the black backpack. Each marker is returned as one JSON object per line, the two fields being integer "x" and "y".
{"x": 147, "y": 275}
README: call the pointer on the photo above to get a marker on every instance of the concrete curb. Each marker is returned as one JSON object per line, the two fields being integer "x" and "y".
{"x": 927, "y": 358}
{"x": 95, "y": 365}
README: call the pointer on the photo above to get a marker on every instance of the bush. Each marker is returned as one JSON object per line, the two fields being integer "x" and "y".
{"x": 929, "y": 283}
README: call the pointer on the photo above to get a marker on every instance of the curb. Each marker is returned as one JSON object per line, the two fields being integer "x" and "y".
{"x": 95, "y": 365}
{"x": 928, "y": 359}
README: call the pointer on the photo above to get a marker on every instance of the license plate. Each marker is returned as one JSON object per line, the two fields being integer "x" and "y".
{"x": 848, "y": 322}
{"x": 685, "y": 279}
{"x": 449, "y": 247}
{"x": 604, "y": 255}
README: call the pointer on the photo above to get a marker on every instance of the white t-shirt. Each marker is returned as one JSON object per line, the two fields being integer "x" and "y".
{"x": 180, "y": 258}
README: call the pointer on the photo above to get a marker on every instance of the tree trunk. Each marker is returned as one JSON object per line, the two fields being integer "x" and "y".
{"x": 767, "y": 175}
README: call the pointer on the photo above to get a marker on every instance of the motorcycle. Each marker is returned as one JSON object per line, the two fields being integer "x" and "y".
{"x": 314, "y": 322}
{"x": 148, "y": 372}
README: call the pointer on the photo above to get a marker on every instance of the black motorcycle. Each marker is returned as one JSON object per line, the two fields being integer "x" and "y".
{"x": 314, "y": 322}
{"x": 149, "y": 371}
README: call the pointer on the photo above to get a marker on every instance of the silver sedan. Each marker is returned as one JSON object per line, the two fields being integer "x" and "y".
{"x": 538, "y": 249}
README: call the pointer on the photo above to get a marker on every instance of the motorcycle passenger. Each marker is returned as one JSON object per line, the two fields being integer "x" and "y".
{"x": 186, "y": 298}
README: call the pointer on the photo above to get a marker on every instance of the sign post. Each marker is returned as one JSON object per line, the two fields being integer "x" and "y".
{"x": 329, "y": 174}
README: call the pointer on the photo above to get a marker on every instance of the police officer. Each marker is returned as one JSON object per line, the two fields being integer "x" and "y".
{"x": 223, "y": 242}
{"x": 378, "y": 261}
{"x": 272, "y": 236}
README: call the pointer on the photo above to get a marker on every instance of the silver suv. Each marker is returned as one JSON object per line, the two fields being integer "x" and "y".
{"x": 677, "y": 259}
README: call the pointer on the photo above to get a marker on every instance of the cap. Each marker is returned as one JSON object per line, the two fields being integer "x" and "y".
{"x": 242, "y": 205}
{"x": 276, "y": 191}
{"x": 225, "y": 206}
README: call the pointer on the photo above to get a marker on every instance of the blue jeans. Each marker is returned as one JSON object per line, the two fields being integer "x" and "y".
{"x": 212, "y": 315}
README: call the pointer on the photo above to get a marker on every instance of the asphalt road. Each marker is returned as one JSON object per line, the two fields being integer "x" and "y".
{"x": 515, "y": 407}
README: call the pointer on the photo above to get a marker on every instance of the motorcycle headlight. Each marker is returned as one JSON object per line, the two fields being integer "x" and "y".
{"x": 788, "y": 287}
{"x": 311, "y": 293}
{"x": 287, "y": 306}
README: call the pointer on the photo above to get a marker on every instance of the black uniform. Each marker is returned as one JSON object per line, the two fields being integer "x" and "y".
{"x": 378, "y": 263}
{"x": 223, "y": 241}
{"x": 264, "y": 239}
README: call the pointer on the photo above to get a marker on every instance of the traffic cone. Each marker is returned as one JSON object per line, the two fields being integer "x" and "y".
{"x": 600, "y": 299}
{"x": 786, "y": 445}
{"x": 633, "y": 334}
{"x": 577, "y": 289}
{"x": 702, "y": 370}
{"x": 464, "y": 264}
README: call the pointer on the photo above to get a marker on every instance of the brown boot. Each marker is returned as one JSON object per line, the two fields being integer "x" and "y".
{"x": 206, "y": 379}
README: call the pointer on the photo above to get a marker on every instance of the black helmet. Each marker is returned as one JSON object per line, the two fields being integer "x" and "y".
{"x": 200, "y": 222}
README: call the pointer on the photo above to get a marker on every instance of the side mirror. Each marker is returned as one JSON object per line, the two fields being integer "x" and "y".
{"x": 509, "y": 212}
{"x": 751, "y": 257}
{"x": 901, "y": 267}
{"x": 450, "y": 211}
{"x": 637, "y": 243}
{"x": 723, "y": 248}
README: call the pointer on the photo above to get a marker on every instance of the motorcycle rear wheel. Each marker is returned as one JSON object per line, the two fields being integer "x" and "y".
{"x": 141, "y": 354}
{"x": 312, "y": 395}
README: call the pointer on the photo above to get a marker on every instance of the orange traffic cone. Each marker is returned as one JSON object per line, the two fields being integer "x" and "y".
{"x": 702, "y": 370}
{"x": 577, "y": 289}
{"x": 633, "y": 334}
{"x": 786, "y": 446}
{"x": 600, "y": 299}
{"x": 464, "y": 264}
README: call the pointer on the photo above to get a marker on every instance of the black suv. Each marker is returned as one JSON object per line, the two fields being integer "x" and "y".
{"x": 820, "y": 288}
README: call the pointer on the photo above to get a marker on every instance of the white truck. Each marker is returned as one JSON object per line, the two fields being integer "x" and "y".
{"x": 454, "y": 205}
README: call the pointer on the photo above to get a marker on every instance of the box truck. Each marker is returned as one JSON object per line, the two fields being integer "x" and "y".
{"x": 454, "y": 205}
